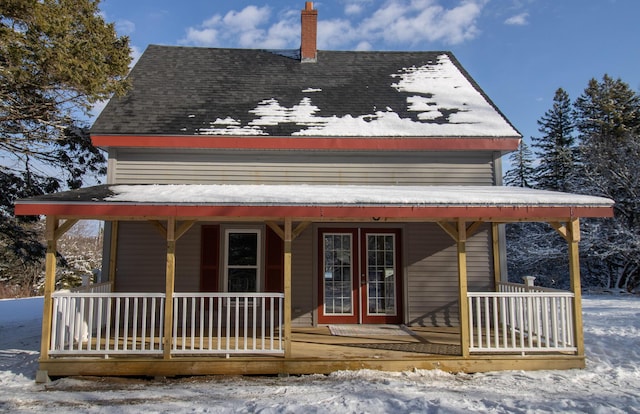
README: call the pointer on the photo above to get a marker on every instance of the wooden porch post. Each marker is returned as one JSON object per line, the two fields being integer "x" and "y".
{"x": 497, "y": 270}
{"x": 462, "y": 281}
{"x": 287, "y": 286}
{"x": 169, "y": 286}
{"x": 573, "y": 237}
{"x": 113, "y": 254}
{"x": 49, "y": 286}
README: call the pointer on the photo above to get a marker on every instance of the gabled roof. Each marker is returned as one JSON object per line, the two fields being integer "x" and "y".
{"x": 187, "y": 91}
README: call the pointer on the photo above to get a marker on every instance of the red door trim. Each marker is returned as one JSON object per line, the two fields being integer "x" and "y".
{"x": 355, "y": 272}
{"x": 397, "y": 318}
{"x": 358, "y": 267}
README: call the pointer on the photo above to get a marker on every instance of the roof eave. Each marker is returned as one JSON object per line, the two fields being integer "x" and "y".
{"x": 375, "y": 212}
{"x": 347, "y": 143}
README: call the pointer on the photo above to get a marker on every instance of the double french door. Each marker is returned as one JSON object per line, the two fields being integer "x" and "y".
{"x": 359, "y": 276}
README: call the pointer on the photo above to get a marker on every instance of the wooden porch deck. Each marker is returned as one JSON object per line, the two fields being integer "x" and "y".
{"x": 320, "y": 343}
{"x": 317, "y": 351}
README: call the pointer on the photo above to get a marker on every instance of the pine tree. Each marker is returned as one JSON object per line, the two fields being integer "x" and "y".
{"x": 521, "y": 172}
{"x": 532, "y": 248}
{"x": 57, "y": 59}
{"x": 608, "y": 122}
{"x": 555, "y": 149}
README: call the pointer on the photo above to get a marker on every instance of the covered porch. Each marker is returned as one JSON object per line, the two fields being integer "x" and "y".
{"x": 97, "y": 331}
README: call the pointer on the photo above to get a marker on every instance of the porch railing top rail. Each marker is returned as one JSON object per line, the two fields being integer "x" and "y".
{"x": 65, "y": 293}
{"x": 525, "y": 288}
{"x": 554, "y": 294}
{"x": 228, "y": 294}
{"x": 89, "y": 294}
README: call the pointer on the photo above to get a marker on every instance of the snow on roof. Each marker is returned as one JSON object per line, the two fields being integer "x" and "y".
{"x": 349, "y": 195}
{"x": 248, "y": 92}
{"x": 446, "y": 103}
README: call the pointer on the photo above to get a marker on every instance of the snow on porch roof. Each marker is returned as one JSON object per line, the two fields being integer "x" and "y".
{"x": 316, "y": 201}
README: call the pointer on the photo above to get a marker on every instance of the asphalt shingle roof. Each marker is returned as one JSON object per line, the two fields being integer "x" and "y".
{"x": 204, "y": 91}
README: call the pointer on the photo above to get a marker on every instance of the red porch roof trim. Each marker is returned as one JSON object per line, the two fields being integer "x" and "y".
{"x": 488, "y": 213}
{"x": 309, "y": 143}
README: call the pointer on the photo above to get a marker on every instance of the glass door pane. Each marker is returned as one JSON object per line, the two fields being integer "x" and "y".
{"x": 338, "y": 274}
{"x": 381, "y": 275}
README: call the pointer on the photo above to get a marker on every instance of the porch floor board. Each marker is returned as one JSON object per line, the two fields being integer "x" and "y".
{"x": 319, "y": 343}
{"x": 316, "y": 350}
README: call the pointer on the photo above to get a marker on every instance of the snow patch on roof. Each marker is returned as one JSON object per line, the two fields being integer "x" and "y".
{"x": 445, "y": 89}
{"x": 350, "y": 195}
{"x": 229, "y": 126}
{"x": 270, "y": 112}
{"x": 227, "y": 121}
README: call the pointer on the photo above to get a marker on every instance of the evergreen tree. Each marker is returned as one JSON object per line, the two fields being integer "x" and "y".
{"x": 555, "y": 149}
{"x": 57, "y": 59}
{"x": 608, "y": 122}
{"x": 532, "y": 248}
{"x": 521, "y": 172}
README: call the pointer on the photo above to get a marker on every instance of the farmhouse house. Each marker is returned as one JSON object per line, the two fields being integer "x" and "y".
{"x": 272, "y": 212}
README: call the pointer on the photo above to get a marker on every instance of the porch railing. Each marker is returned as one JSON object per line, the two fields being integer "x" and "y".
{"x": 227, "y": 323}
{"x": 89, "y": 323}
{"x": 521, "y": 321}
{"x": 107, "y": 323}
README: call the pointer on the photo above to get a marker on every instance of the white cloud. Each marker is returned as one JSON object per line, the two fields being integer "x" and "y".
{"x": 406, "y": 22}
{"x": 354, "y": 7}
{"x": 281, "y": 35}
{"x": 335, "y": 32}
{"x": 247, "y": 28}
{"x": 424, "y": 20}
{"x": 125, "y": 27}
{"x": 518, "y": 20}
{"x": 247, "y": 19}
{"x": 364, "y": 46}
{"x": 392, "y": 24}
{"x": 202, "y": 37}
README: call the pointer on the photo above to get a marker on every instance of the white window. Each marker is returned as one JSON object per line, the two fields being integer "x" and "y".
{"x": 242, "y": 260}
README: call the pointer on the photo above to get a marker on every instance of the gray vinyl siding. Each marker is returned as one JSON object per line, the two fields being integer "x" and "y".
{"x": 135, "y": 166}
{"x": 142, "y": 254}
{"x": 432, "y": 273}
{"x": 142, "y": 259}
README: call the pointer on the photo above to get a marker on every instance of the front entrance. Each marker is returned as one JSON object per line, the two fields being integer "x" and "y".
{"x": 359, "y": 276}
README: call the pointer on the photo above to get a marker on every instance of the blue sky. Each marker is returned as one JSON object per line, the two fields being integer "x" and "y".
{"x": 519, "y": 51}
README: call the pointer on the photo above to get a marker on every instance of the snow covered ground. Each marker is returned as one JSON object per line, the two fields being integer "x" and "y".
{"x": 609, "y": 384}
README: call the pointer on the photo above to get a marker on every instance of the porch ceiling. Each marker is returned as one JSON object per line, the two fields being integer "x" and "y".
{"x": 316, "y": 203}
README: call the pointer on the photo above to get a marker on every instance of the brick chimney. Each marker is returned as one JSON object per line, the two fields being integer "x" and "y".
{"x": 309, "y": 23}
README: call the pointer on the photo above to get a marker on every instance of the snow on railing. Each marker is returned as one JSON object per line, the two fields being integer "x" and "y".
{"x": 228, "y": 323}
{"x": 85, "y": 323}
{"x": 524, "y": 321}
